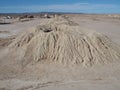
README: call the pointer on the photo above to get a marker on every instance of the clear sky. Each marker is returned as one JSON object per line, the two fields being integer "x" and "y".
{"x": 77, "y": 6}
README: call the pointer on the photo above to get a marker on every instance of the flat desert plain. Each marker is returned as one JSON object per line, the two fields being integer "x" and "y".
{"x": 38, "y": 55}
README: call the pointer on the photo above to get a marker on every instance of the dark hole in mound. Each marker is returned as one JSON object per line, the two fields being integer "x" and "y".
{"x": 47, "y": 30}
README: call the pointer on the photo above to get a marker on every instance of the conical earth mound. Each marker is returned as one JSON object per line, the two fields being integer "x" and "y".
{"x": 63, "y": 41}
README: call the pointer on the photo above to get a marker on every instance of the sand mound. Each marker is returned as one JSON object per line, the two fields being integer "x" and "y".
{"x": 62, "y": 41}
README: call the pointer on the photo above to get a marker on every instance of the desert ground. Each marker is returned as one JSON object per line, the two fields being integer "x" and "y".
{"x": 47, "y": 75}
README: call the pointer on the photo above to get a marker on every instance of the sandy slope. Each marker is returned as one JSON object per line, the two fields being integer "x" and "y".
{"x": 44, "y": 76}
{"x": 106, "y": 25}
{"x": 18, "y": 27}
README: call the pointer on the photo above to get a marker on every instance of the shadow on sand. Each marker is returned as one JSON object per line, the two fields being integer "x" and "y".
{"x": 1, "y": 23}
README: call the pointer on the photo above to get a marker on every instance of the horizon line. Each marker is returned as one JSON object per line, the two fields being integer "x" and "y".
{"x": 52, "y": 12}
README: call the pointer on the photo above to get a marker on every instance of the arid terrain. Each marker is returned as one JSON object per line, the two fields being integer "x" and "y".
{"x": 46, "y": 53}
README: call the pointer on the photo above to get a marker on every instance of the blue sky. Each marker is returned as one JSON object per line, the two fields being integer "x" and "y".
{"x": 77, "y": 6}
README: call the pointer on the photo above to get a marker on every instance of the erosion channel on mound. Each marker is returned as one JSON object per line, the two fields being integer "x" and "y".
{"x": 64, "y": 42}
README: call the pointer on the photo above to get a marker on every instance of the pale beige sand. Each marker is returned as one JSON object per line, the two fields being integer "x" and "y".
{"x": 60, "y": 40}
{"x": 40, "y": 75}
